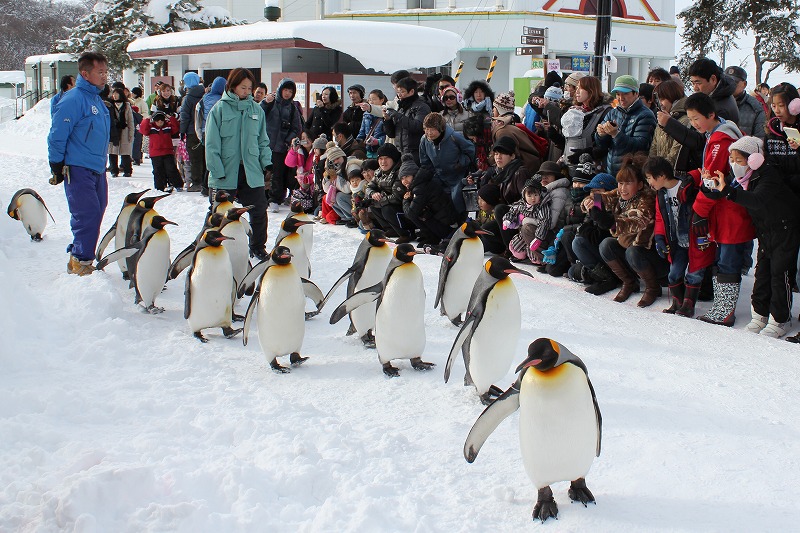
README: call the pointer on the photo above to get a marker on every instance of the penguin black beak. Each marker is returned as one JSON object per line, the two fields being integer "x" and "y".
{"x": 245, "y": 209}
{"x": 157, "y": 198}
{"x": 483, "y": 232}
{"x": 386, "y": 240}
{"x": 518, "y": 271}
{"x": 140, "y": 194}
{"x": 169, "y": 222}
{"x": 304, "y": 222}
{"x": 527, "y": 363}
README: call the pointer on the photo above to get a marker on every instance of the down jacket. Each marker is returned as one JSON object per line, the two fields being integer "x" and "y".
{"x": 636, "y": 126}
{"x": 405, "y": 124}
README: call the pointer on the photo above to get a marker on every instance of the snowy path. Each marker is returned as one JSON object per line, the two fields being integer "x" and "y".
{"x": 114, "y": 420}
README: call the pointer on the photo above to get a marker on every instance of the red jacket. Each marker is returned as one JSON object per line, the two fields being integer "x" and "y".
{"x": 728, "y": 222}
{"x": 160, "y": 138}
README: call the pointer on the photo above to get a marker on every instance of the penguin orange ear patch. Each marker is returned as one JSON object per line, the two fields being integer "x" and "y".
{"x": 554, "y": 344}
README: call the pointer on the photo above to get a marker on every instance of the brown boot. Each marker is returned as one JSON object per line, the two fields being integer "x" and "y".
{"x": 652, "y": 288}
{"x": 630, "y": 283}
{"x": 81, "y": 268}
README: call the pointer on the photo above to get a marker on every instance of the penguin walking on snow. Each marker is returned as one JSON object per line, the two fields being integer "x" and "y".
{"x": 184, "y": 258}
{"x": 141, "y": 217}
{"x": 239, "y": 231}
{"x": 150, "y": 257}
{"x": 209, "y": 290}
{"x": 400, "y": 312}
{"x": 488, "y": 337}
{"x": 118, "y": 229}
{"x": 461, "y": 265}
{"x": 368, "y": 269}
{"x": 280, "y": 302}
{"x": 29, "y": 208}
{"x": 289, "y": 236}
{"x": 306, "y": 231}
{"x": 560, "y": 426}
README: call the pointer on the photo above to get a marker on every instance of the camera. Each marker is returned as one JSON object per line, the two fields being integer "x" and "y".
{"x": 296, "y": 143}
{"x": 709, "y": 183}
{"x": 285, "y": 125}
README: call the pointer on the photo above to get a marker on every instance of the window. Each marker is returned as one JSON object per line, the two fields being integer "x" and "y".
{"x": 421, "y": 4}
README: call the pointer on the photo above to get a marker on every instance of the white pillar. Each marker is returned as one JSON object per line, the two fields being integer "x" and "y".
{"x": 271, "y": 61}
{"x": 645, "y": 67}
{"x": 633, "y": 67}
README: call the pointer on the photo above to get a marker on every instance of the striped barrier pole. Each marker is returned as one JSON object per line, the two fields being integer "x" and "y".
{"x": 458, "y": 72}
{"x": 491, "y": 69}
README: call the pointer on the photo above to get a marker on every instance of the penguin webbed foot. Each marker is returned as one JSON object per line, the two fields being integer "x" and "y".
{"x": 36, "y": 238}
{"x": 486, "y": 398}
{"x": 199, "y": 336}
{"x": 369, "y": 340}
{"x": 296, "y": 359}
{"x": 230, "y": 332}
{"x": 351, "y": 330}
{"x": 578, "y": 492}
{"x": 418, "y": 364}
{"x": 277, "y": 368}
{"x": 494, "y": 390}
{"x": 153, "y": 310}
{"x": 391, "y": 371}
{"x": 237, "y": 318}
{"x": 457, "y": 321}
{"x": 311, "y": 314}
{"x": 545, "y": 505}
{"x": 126, "y": 276}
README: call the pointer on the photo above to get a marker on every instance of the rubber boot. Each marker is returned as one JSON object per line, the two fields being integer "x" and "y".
{"x": 603, "y": 279}
{"x": 726, "y": 294}
{"x": 676, "y": 293}
{"x": 630, "y": 283}
{"x": 689, "y": 299}
{"x": 652, "y": 287}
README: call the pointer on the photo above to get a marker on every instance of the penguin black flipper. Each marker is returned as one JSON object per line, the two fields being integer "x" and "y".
{"x": 181, "y": 261}
{"x": 448, "y": 260}
{"x": 490, "y": 418}
{"x": 347, "y": 274}
{"x": 598, "y": 416}
{"x": 466, "y": 331}
{"x": 12, "y": 205}
{"x": 119, "y": 255}
{"x": 187, "y": 293}
{"x": 254, "y": 275}
{"x": 105, "y": 240}
{"x": 362, "y": 297}
{"x": 248, "y": 316}
{"x": 313, "y": 293}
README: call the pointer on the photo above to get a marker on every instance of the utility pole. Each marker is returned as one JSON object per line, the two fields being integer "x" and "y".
{"x": 602, "y": 37}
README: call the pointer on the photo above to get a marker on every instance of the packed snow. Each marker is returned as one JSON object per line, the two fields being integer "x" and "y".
{"x": 112, "y": 419}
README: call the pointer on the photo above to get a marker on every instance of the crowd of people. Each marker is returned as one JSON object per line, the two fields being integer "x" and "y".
{"x": 644, "y": 185}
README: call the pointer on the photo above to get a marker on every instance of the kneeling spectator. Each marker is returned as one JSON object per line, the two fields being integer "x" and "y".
{"x": 426, "y": 204}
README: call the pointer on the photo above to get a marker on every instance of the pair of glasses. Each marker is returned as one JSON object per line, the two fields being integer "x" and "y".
{"x": 449, "y": 97}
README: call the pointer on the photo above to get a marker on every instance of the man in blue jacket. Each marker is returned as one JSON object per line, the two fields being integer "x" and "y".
{"x": 78, "y": 150}
{"x": 628, "y": 128}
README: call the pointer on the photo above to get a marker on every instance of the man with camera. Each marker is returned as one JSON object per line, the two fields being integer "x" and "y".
{"x": 283, "y": 124}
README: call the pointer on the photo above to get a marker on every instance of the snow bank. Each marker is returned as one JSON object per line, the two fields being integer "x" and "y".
{"x": 115, "y": 420}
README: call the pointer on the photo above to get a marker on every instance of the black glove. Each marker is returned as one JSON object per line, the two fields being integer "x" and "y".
{"x": 713, "y": 194}
{"x": 574, "y": 157}
{"x": 58, "y": 173}
{"x": 603, "y": 219}
{"x": 268, "y": 168}
{"x": 700, "y": 225}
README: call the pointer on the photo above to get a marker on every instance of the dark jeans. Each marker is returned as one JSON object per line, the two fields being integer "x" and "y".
{"x": 87, "y": 198}
{"x": 114, "y": 164}
{"x": 730, "y": 257}
{"x": 281, "y": 178}
{"x": 136, "y": 154}
{"x": 586, "y": 252}
{"x": 430, "y": 228}
{"x": 258, "y": 215}
{"x": 678, "y": 266}
{"x": 387, "y": 217}
{"x": 637, "y": 258}
{"x": 197, "y": 159}
{"x": 165, "y": 172}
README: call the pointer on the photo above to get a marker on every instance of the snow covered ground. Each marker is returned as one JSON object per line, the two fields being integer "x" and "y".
{"x": 115, "y": 420}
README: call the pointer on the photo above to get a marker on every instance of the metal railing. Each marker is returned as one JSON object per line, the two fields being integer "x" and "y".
{"x": 28, "y": 99}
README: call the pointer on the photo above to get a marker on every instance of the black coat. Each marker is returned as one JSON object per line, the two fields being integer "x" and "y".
{"x": 323, "y": 118}
{"x": 428, "y": 199}
{"x": 353, "y": 116}
{"x": 405, "y": 125}
{"x": 780, "y": 155}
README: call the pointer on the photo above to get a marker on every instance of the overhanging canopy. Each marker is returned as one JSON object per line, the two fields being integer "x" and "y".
{"x": 382, "y": 46}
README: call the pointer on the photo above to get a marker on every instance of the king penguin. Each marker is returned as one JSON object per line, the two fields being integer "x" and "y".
{"x": 290, "y": 237}
{"x": 209, "y": 288}
{"x": 118, "y": 228}
{"x": 400, "y": 312}
{"x": 150, "y": 257}
{"x": 280, "y": 301}
{"x": 307, "y": 231}
{"x": 560, "y": 426}
{"x": 461, "y": 265}
{"x": 222, "y": 201}
{"x": 239, "y": 231}
{"x": 29, "y": 208}
{"x": 368, "y": 268}
{"x": 184, "y": 258}
{"x": 488, "y": 337}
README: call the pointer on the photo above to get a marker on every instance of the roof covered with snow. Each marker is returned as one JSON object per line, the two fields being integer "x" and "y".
{"x": 12, "y": 76}
{"x": 50, "y": 58}
{"x": 383, "y": 46}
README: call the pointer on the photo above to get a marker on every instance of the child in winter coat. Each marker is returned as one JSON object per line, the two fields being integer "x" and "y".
{"x": 300, "y": 158}
{"x": 775, "y": 209}
{"x": 531, "y": 214}
{"x": 488, "y": 197}
{"x": 161, "y": 131}
{"x": 674, "y": 199}
{"x": 358, "y": 187}
{"x": 425, "y": 203}
{"x": 718, "y": 220}
{"x": 558, "y": 186}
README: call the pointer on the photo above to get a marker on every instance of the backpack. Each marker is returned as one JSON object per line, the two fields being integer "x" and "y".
{"x": 541, "y": 144}
{"x": 199, "y": 120}
{"x": 114, "y": 132}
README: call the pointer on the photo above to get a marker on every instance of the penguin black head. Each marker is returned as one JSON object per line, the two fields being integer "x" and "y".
{"x": 134, "y": 197}
{"x": 543, "y": 354}
{"x": 291, "y": 224}
{"x": 150, "y": 201}
{"x": 222, "y": 196}
{"x": 405, "y": 252}
{"x": 215, "y": 238}
{"x": 472, "y": 229}
{"x": 296, "y": 207}
{"x": 377, "y": 237}
{"x": 236, "y": 212}
{"x": 160, "y": 222}
{"x": 500, "y": 267}
{"x": 215, "y": 220}
{"x": 281, "y": 255}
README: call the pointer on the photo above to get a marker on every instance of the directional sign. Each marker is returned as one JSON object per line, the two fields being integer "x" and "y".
{"x": 535, "y": 32}
{"x": 528, "y": 39}
{"x": 530, "y": 50}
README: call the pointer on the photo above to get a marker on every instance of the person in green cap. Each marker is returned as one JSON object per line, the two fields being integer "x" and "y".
{"x": 628, "y": 128}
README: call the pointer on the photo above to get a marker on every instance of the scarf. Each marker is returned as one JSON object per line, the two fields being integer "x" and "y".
{"x": 744, "y": 181}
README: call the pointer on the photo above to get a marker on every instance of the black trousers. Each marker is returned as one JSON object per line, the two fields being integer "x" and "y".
{"x": 197, "y": 159}
{"x": 114, "y": 164}
{"x": 498, "y": 242}
{"x": 387, "y": 217}
{"x": 247, "y": 195}
{"x": 282, "y": 178}
{"x": 772, "y": 289}
{"x": 165, "y": 172}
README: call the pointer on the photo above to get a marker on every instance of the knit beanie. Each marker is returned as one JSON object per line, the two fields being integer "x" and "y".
{"x": 504, "y": 103}
{"x": 455, "y": 91}
{"x": 353, "y": 164}
{"x": 491, "y": 194}
{"x": 408, "y": 167}
{"x": 554, "y": 93}
{"x": 334, "y": 152}
{"x": 573, "y": 78}
{"x": 320, "y": 142}
{"x": 389, "y": 150}
{"x": 752, "y": 147}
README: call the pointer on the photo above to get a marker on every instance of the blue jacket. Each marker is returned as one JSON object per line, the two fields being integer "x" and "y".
{"x": 54, "y": 102}
{"x": 450, "y": 157}
{"x": 378, "y": 133}
{"x": 637, "y": 126}
{"x": 212, "y": 97}
{"x": 80, "y": 129}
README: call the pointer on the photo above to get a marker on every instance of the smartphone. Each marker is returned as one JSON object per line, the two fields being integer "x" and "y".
{"x": 657, "y": 102}
{"x": 793, "y": 134}
{"x": 598, "y": 200}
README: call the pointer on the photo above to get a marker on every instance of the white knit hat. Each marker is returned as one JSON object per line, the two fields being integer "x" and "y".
{"x": 753, "y": 147}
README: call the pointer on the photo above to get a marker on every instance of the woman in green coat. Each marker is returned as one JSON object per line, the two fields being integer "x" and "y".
{"x": 238, "y": 154}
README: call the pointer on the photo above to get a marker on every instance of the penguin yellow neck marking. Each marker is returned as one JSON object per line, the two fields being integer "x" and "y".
{"x": 215, "y": 250}
{"x": 533, "y": 375}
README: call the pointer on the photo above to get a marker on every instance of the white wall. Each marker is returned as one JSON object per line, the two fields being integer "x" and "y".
{"x": 253, "y": 10}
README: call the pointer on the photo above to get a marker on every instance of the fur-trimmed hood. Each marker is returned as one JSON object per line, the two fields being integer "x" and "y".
{"x": 470, "y": 90}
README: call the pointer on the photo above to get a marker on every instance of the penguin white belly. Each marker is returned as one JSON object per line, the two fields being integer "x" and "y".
{"x": 119, "y": 236}
{"x": 494, "y": 341}
{"x": 294, "y": 242}
{"x": 307, "y": 233}
{"x": 400, "y": 319}
{"x": 32, "y": 214}
{"x": 212, "y": 289}
{"x": 557, "y": 425}
{"x": 461, "y": 278}
{"x": 152, "y": 268}
{"x": 281, "y": 312}
{"x": 374, "y": 270}
{"x": 238, "y": 250}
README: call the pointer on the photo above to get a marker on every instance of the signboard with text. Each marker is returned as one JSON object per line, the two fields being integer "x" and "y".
{"x": 581, "y": 63}
{"x": 529, "y": 51}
